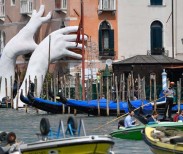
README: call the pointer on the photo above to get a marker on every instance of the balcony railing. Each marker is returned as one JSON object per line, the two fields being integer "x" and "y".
{"x": 107, "y": 5}
{"x": 106, "y": 53}
{"x": 26, "y": 6}
{"x": 2, "y": 9}
{"x": 158, "y": 51}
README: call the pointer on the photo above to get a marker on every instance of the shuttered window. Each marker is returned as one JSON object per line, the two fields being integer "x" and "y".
{"x": 156, "y": 2}
{"x": 156, "y": 36}
{"x": 2, "y": 41}
{"x": 58, "y": 4}
{"x": 106, "y": 39}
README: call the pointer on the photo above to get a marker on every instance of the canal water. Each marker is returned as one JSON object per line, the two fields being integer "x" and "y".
{"x": 26, "y": 125}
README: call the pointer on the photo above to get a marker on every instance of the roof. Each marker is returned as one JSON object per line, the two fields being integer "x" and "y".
{"x": 150, "y": 59}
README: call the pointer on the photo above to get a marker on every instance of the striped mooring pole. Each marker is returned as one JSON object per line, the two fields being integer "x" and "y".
{"x": 164, "y": 80}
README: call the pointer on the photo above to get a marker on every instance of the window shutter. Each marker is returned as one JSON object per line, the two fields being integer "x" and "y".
{"x": 112, "y": 5}
{"x": 105, "y": 4}
{"x": 111, "y": 40}
{"x": 156, "y": 2}
{"x": 100, "y": 40}
{"x": 156, "y": 38}
{"x": 58, "y": 4}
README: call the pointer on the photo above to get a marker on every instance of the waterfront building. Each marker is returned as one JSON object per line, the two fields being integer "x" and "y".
{"x": 100, "y": 25}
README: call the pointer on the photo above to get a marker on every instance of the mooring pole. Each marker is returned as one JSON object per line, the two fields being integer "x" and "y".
{"x": 83, "y": 52}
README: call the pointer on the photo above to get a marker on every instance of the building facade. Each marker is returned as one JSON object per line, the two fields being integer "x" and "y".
{"x": 100, "y": 25}
{"x": 150, "y": 27}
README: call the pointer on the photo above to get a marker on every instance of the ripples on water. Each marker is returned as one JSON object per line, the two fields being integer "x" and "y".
{"x": 26, "y": 125}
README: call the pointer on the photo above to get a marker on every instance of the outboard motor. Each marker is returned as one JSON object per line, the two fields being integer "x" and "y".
{"x": 121, "y": 123}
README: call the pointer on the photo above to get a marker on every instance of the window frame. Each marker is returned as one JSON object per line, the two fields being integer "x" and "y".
{"x": 110, "y": 5}
{"x": 156, "y": 3}
{"x": 156, "y": 37}
{"x": 2, "y": 41}
{"x": 105, "y": 28}
{"x": 61, "y": 4}
{"x": 13, "y": 2}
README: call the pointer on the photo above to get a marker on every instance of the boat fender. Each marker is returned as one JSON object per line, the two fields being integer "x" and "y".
{"x": 73, "y": 122}
{"x": 44, "y": 126}
{"x": 11, "y": 137}
{"x": 176, "y": 140}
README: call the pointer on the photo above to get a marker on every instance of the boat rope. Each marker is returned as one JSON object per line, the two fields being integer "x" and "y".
{"x": 126, "y": 114}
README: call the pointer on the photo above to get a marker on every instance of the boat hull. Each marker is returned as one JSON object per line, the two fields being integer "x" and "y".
{"x": 135, "y": 133}
{"x": 44, "y": 105}
{"x": 75, "y": 145}
{"x": 158, "y": 147}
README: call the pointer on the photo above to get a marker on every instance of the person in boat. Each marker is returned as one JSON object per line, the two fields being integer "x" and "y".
{"x": 169, "y": 94}
{"x": 180, "y": 117}
{"x": 176, "y": 116}
{"x": 154, "y": 117}
{"x": 129, "y": 120}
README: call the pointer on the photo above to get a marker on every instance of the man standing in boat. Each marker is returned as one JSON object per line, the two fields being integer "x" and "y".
{"x": 169, "y": 94}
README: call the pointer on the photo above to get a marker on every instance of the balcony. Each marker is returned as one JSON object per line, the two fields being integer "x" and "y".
{"x": 26, "y": 6}
{"x": 61, "y": 5}
{"x": 105, "y": 54}
{"x": 2, "y": 9}
{"x": 107, "y": 6}
{"x": 157, "y": 51}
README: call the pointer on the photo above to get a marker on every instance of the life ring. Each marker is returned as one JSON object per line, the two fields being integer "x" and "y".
{"x": 3, "y": 136}
{"x": 73, "y": 122}
{"x": 44, "y": 126}
{"x": 11, "y": 137}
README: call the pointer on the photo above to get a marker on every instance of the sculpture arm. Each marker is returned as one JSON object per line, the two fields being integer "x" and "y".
{"x": 22, "y": 43}
{"x": 60, "y": 43}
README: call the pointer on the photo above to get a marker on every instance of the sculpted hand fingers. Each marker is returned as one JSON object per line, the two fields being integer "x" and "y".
{"x": 73, "y": 37}
{"x": 44, "y": 19}
{"x": 73, "y": 45}
{"x": 41, "y": 11}
{"x": 66, "y": 30}
{"x": 73, "y": 55}
{"x": 34, "y": 12}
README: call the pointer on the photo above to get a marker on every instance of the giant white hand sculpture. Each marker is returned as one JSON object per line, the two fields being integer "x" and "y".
{"x": 22, "y": 43}
{"x": 61, "y": 40}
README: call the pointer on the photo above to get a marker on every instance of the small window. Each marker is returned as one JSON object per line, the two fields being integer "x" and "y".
{"x": 64, "y": 4}
{"x": 12, "y": 2}
{"x": 107, "y": 4}
{"x": 2, "y": 41}
{"x": 2, "y": 8}
{"x": 156, "y": 2}
{"x": 157, "y": 38}
{"x": 61, "y": 4}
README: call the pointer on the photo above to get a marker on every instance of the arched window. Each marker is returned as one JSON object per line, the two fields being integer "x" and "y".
{"x": 156, "y": 2}
{"x": 106, "y": 39}
{"x": 2, "y": 41}
{"x": 157, "y": 38}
